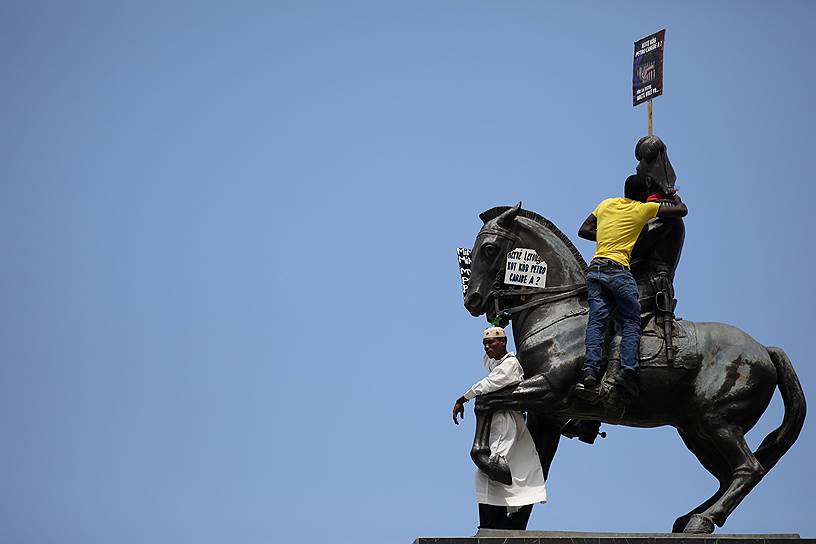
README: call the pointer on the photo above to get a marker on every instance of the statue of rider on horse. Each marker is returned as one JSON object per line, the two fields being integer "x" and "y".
{"x": 711, "y": 381}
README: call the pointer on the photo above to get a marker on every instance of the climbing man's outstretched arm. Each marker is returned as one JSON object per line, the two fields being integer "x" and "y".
{"x": 589, "y": 230}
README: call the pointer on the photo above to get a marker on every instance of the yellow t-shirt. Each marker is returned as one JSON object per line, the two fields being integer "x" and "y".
{"x": 620, "y": 221}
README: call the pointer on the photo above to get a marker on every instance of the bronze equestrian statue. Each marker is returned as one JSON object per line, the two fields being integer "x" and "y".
{"x": 713, "y": 388}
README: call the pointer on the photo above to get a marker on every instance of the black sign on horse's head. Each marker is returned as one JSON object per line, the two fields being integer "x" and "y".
{"x": 653, "y": 162}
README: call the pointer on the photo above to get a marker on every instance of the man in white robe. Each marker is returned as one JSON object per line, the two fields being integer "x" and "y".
{"x": 505, "y": 506}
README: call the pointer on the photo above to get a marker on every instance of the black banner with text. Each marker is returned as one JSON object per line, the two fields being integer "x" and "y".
{"x": 647, "y": 72}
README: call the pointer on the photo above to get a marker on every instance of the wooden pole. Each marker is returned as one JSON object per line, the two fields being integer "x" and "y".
{"x": 650, "y": 117}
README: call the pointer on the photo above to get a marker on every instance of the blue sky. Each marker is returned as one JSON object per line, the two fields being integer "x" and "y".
{"x": 232, "y": 305}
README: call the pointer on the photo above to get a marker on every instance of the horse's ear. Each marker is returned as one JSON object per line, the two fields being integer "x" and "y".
{"x": 507, "y": 219}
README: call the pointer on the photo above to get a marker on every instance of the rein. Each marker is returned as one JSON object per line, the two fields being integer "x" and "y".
{"x": 557, "y": 293}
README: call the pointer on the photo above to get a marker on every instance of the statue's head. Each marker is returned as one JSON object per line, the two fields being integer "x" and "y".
{"x": 654, "y": 164}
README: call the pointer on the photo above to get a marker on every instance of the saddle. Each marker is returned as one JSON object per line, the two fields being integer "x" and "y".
{"x": 615, "y": 391}
{"x": 653, "y": 344}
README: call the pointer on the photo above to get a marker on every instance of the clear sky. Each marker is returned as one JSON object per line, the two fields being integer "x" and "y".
{"x": 231, "y": 301}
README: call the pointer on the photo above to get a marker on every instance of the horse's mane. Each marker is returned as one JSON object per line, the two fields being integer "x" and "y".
{"x": 493, "y": 213}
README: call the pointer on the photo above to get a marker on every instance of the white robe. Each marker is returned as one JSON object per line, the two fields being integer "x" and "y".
{"x": 509, "y": 437}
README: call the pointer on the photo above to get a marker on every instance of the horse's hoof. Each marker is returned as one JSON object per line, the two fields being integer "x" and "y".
{"x": 699, "y": 524}
{"x": 499, "y": 470}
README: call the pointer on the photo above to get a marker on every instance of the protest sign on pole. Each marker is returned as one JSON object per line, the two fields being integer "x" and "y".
{"x": 525, "y": 267}
{"x": 647, "y": 70}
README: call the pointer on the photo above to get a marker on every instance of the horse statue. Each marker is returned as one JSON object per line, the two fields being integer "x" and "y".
{"x": 713, "y": 390}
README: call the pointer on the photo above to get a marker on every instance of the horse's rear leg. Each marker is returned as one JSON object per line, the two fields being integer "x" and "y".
{"x": 746, "y": 472}
{"x": 546, "y": 433}
{"x": 713, "y": 461}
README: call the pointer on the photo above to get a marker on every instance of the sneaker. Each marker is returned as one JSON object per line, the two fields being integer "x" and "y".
{"x": 629, "y": 374}
{"x": 590, "y": 379}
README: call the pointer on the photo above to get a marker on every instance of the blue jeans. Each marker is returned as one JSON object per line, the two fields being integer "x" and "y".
{"x": 606, "y": 290}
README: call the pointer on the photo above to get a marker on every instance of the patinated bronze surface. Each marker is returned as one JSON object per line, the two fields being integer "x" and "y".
{"x": 713, "y": 391}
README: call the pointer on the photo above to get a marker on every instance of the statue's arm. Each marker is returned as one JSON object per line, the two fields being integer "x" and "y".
{"x": 589, "y": 230}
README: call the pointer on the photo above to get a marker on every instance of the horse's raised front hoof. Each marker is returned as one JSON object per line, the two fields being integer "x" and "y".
{"x": 499, "y": 470}
{"x": 699, "y": 524}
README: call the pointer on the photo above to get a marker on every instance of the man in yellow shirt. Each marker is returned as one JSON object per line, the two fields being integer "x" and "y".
{"x": 614, "y": 226}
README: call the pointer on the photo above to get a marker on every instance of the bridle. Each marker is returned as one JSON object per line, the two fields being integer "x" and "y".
{"x": 498, "y": 294}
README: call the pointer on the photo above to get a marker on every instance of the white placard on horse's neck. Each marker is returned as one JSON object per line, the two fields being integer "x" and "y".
{"x": 525, "y": 267}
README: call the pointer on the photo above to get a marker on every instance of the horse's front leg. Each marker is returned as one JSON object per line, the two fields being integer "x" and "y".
{"x": 495, "y": 467}
{"x": 536, "y": 393}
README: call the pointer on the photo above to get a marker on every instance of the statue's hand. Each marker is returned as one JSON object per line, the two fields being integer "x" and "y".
{"x": 459, "y": 409}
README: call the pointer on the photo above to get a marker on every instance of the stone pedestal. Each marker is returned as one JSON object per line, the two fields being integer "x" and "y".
{"x": 492, "y": 536}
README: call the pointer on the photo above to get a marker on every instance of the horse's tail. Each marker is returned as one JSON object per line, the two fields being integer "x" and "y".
{"x": 782, "y": 438}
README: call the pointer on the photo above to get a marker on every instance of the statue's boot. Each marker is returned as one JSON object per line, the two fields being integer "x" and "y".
{"x": 623, "y": 388}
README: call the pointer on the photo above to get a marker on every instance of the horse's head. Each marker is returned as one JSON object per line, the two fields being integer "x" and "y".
{"x": 504, "y": 230}
{"x": 497, "y": 237}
